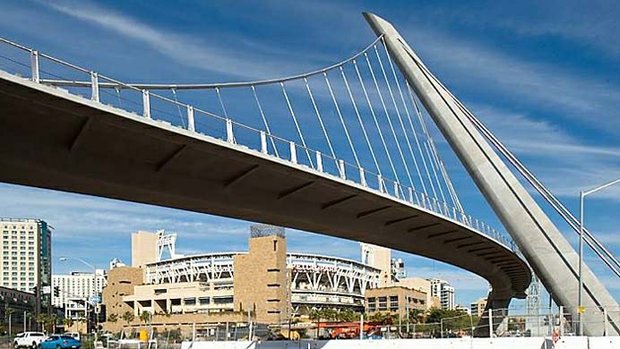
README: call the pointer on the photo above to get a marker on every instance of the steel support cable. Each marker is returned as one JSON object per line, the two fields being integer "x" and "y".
{"x": 374, "y": 117}
{"x": 219, "y": 97}
{"x": 301, "y": 136}
{"x": 533, "y": 180}
{"x": 434, "y": 170}
{"x": 359, "y": 118}
{"x": 174, "y": 93}
{"x": 402, "y": 125}
{"x": 344, "y": 125}
{"x": 455, "y": 199}
{"x": 372, "y": 73}
{"x": 198, "y": 86}
{"x": 607, "y": 257}
{"x": 433, "y": 157}
{"x": 419, "y": 115}
{"x": 387, "y": 114}
{"x": 318, "y": 115}
{"x": 440, "y": 165}
{"x": 432, "y": 160}
{"x": 267, "y": 128}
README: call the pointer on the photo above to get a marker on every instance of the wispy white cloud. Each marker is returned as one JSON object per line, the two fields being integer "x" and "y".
{"x": 592, "y": 24}
{"x": 469, "y": 64}
{"x": 218, "y": 56}
{"x": 563, "y": 161}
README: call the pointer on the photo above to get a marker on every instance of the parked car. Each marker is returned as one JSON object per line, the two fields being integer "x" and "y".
{"x": 28, "y": 339}
{"x": 75, "y": 335}
{"x": 60, "y": 342}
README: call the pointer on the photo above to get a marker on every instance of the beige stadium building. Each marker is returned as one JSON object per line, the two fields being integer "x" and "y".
{"x": 265, "y": 285}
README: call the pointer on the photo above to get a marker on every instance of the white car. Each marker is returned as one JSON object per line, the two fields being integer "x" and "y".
{"x": 28, "y": 339}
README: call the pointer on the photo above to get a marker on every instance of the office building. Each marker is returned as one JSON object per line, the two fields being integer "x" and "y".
{"x": 25, "y": 254}
{"x": 394, "y": 300}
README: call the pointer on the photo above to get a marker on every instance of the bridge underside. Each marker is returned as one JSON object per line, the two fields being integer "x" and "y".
{"x": 54, "y": 140}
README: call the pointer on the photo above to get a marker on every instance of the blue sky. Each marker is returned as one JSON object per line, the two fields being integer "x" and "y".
{"x": 544, "y": 77}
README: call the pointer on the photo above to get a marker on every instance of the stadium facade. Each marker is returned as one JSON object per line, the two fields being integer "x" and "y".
{"x": 267, "y": 284}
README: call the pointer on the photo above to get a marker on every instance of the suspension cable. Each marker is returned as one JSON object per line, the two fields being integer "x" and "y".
{"x": 359, "y": 118}
{"x": 262, "y": 115}
{"x": 419, "y": 116}
{"x": 344, "y": 125}
{"x": 318, "y": 115}
{"x": 301, "y": 136}
{"x": 402, "y": 125}
{"x": 374, "y": 116}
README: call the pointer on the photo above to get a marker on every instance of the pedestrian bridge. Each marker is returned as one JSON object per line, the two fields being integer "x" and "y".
{"x": 344, "y": 151}
{"x": 66, "y": 128}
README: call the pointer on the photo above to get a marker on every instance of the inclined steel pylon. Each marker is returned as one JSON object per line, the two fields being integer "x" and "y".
{"x": 549, "y": 253}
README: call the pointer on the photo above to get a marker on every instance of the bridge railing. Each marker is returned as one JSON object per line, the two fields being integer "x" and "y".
{"x": 41, "y": 68}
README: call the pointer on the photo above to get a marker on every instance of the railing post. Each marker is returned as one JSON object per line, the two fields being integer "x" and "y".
{"x": 606, "y": 322}
{"x": 490, "y": 322}
{"x": 410, "y": 194}
{"x": 396, "y": 190}
{"x": 362, "y": 177}
{"x": 191, "y": 126}
{"x": 94, "y": 86}
{"x": 230, "y": 136}
{"x": 34, "y": 65}
{"x": 381, "y": 186}
{"x": 341, "y": 168}
{"x": 293, "y": 152}
{"x": 146, "y": 103}
{"x": 319, "y": 161}
{"x": 263, "y": 142}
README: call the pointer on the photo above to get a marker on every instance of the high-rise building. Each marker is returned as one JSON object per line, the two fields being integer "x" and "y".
{"x": 76, "y": 290}
{"x": 444, "y": 291}
{"x": 25, "y": 254}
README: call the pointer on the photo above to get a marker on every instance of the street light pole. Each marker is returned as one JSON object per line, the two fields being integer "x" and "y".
{"x": 580, "y": 294}
{"x": 93, "y": 291}
{"x": 582, "y": 195}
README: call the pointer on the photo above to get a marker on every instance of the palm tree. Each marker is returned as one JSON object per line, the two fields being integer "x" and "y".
{"x": 128, "y": 317}
{"x": 145, "y": 317}
{"x": 41, "y": 319}
{"x": 8, "y": 312}
{"x": 51, "y": 322}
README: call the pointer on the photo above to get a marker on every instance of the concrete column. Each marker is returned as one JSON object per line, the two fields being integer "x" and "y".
{"x": 542, "y": 244}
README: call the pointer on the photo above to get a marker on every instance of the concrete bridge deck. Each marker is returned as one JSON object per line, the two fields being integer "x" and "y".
{"x": 52, "y": 139}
